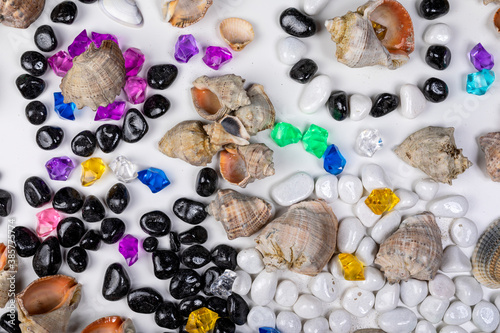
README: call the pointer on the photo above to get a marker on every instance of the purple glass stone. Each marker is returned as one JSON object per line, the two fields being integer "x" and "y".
{"x": 61, "y": 63}
{"x": 216, "y": 56}
{"x": 59, "y": 168}
{"x": 129, "y": 248}
{"x": 113, "y": 111}
{"x": 98, "y": 38}
{"x": 134, "y": 59}
{"x": 185, "y": 48}
{"x": 480, "y": 58}
{"x": 80, "y": 44}
{"x": 135, "y": 88}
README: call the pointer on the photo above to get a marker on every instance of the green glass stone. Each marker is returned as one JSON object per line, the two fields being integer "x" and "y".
{"x": 314, "y": 140}
{"x": 284, "y": 134}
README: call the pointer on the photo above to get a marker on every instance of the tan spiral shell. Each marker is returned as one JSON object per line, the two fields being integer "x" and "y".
{"x": 486, "y": 255}
{"x": 20, "y": 13}
{"x": 111, "y": 324}
{"x": 260, "y": 114}
{"x": 490, "y": 145}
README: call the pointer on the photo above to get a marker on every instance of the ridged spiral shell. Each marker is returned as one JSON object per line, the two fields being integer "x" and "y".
{"x": 20, "y": 13}
{"x": 112, "y": 324}
{"x": 260, "y": 114}
{"x": 490, "y": 145}
{"x": 486, "y": 255}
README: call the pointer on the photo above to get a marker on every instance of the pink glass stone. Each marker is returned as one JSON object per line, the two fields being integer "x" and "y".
{"x": 61, "y": 63}
{"x": 98, "y": 38}
{"x": 129, "y": 248}
{"x": 113, "y": 111}
{"x": 480, "y": 58}
{"x": 216, "y": 56}
{"x": 80, "y": 44}
{"x": 48, "y": 220}
{"x": 135, "y": 88}
{"x": 185, "y": 48}
{"x": 134, "y": 59}
{"x": 59, "y": 168}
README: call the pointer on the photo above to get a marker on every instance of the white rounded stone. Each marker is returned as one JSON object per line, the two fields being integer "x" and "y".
{"x": 308, "y": 307}
{"x": 316, "y": 325}
{"x": 463, "y": 232}
{"x": 457, "y": 314}
{"x": 350, "y": 232}
{"x": 315, "y": 94}
{"x": 452, "y": 329}
{"x": 433, "y": 308}
{"x": 426, "y": 189}
{"x": 373, "y": 176}
{"x": 357, "y": 301}
{"x": 326, "y": 188}
{"x": 468, "y": 290}
{"x": 242, "y": 283}
{"x": 335, "y": 267}
{"x": 340, "y": 321}
{"x": 387, "y": 298}
{"x": 423, "y": 326}
{"x": 365, "y": 214}
{"x": 261, "y": 316}
{"x": 313, "y": 7}
{"x": 407, "y": 199}
{"x": 442, "y": 286}
{"x": 367, "y": 250}
{"x": 325, "y": 287}
{"x": 449, "y": 206}
{"x": 350, "y": 189}
{"x": 413, "y": 101}
{"x": 386, "y": 226}
{"x": 497, "y": 301}
{"x": 360, "y": 106}
{"x": 438, "y": 33}
{"x": 413, "y": 292}
{"x": 374, "y": 279}
{"x": 288, "y": 322}
{"x": 264, "y": 287}
{"x": 291, "y": 50}
{"x": 399, "y": 320}
{"x": 286, "y": 293}
{"x": 455, "y": 261}
{"x": 485, "y": 316}
{"x": 293, "y": 189}
{"x": 250, "y": 260}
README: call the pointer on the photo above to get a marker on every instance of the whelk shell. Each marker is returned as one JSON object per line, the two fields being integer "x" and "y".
{"x": 490, "y": 145}
{"x": 111, "y": 324}
{"x": 236, "y": 32}
{"x": 183, "y": 13}
{"x": 486, "y": 255}
{"x": 123, "y": 11}
{"x": 8, "y": 269}
{"x": 220, "y": 136}
{"x": 413, "y": 251}
{"x": 260, "y": 114}
{"x": 45, "y": 306}
{"x": 20, "y": 13}
{"x": 302, "y": 240}
{"x": 241, "y": 215}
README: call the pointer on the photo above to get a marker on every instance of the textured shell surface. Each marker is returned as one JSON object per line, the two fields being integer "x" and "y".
{"x": 183, "y": 13}
{"x": 113, "y": 324}
{"x": 241, "y": 215}
{"x": 219, "y": 136}
{"x": 20, "y": 13}
{"x": 413, "y": 251}
{"x": 303, "y": 239}
{"x": 8, "y": 268}
{"x": 433, "y": 151}
{"x": 486, "y": 255}
{"x": 96, "y": 78}
{"x": 490, "y": 1}
{"x": 123, "y": 11}
{"x": 490, "y": 145}
{"x": 237, "y": 32}
{"x": 260, "y": 114}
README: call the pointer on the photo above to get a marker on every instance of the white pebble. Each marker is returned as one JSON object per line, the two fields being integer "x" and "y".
{"x": 316, "y": 325}
{"x": 335, "y": 267}
{"x": 442, "y": 286}
{"x": 350, "y": 232}
{"x": 413, "y": 292}
{"x": 449, "y": 206}
{"x": 326, "y": 188}
{"x": 340, "y": 321}
{"x": 374, "y": 279}
{"x": 455, "y": 261}
{"x": 457, "y": 314}
{"x": 426, "y": 189}
{"x": 423, "y": 326}
{"x": 365, "y": 214}
{"x": 250, "y": 260}
{"x": 315, "y": 94}
{"x": 325, "y": 287}
{"x": 291, "y": 50}
{"x": 485, "y": 316}
{"x": 286, "y": 293}
{"x": 433, "y": 308}
{"x": 438, "y": 33}
{"x": 261, "y": 316}
{"x": 293, "y": 189}
{"x": 367, "y": 250}
{"x": 308, "y": 307}
{"x": 413, "y": 101}
{"x": 357, "y": 301}
{"x": 313, "y": 7}
{"x": 264, "y": 287}
{"x": 407, "y": 199}
{"x": 452, "y": 329}
{"x": 288, "y": 322}
{"x": 242, "y": 283}
{"x": 497, "y": 301}
{"x": 386, "y": 226}
{"x": 387, "y": 298}
{"x": 360, "y": 106}
{"x": 350, "y": 189}
{"x": 463, "y": 232}
{"x": 373, "y": 176}
{"x": 399, "y": 320}
{"x": 468, "y": 290}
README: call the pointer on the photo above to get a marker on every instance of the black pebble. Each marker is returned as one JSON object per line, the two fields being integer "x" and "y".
{"x": 156, "y": 106}
{"x": 65, "y": 12}
{"x": 70, "y": 231}
{"x": 435, "y": 90}
{"x": 88, "y": 1}
{"x": 45, "y": 38}
{"x": 77, "y": 259}
{"x": 218, "y": 305}
{"x": 206, "y": 182}
{"x": 432, "y": 9}
{"x": 34, "y": 63}
{"x": 167, "y": 315}
{"x": 175, "y": 243}
{"x": 49, "y": 137}
{"x": 36, "y": 112}
{"x": 116, "y": 283}
{"x": 5, "y": 203}
{"x": 10, "y": 323}
{"x": 195, "y": 256}
{"x": 438, "y": 57}
{"x": 29, "y": 86}
{"x": 161, "y": 76}
{"x": 224, "y": 325}
{"x": 337, "y": 105}
{"x": 84, "y": 143}
{"x": 67, "y": 200}
{"x": 182, "y": 329}
{"x": 208, "y": 277}
{"x": 108, "y": 137}
{"x": 47, "y": 259}
{"x": 297, "y": 24}
{"x": 134, "y": 126}
{"x": 37, "y": 192}
{"x": 185, "y": 283}
{"x": 155, "y": 223}
{"x": 93, "y": 210}
{"x": 25, "y": 241}
{"x": 189, "y": 304}
{"x": 117, "y": 198}
{"x": 165, "y": 264}
{"x": 112, "y": 230}
{"x": 195, "y": 235}
{"x": 384, "y": 104}
{"x": 303, "y": 71}
{"x": 224, "y": 256}
{"x": 150, "y": 244}
{"x": 144, "y": 300}
{"x": 190, "y": 211}
{"x": 238, "y": 309}
{"x": 91, "y": 240}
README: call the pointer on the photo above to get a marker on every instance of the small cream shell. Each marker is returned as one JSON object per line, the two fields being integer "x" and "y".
{"x": 236, "y": 32}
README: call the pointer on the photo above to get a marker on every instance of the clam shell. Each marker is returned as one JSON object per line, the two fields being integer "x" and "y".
{"x": 236, "y": 32}
{"x": 490, "y": 145}
{"x": 123, "y": 11}
{"x": 219, "y": 136}
{"x": 302, "y": 240}
{"x": 413, "y": 251}
{"x": 485, "y": 258}
{"x": 8, "y": 269}
{"x": 20, "y": 13}
{"x": 241, "y": 215}
{"x": 260, "y": 114}
{"x": 112, "y": 324}
{"x": 183, "y": 13}
{"x": 96, "y": 78}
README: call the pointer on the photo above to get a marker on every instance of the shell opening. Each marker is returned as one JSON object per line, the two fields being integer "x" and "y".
{"x": 232, "y": 167}
{"x": 206, "y": 100}
{"x": 106, "y": 324}
{"x": 48, "y": 295}
{"x": 380, "y": 30}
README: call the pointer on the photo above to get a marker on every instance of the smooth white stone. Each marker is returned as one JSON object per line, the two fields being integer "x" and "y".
{"x": 325, "y": 287}
{"x": 261, "y": 316}
{"x": 413, "y": 292}
{"x": 367, "y": 250}
{"x": 457, "y": 314}
{"x": 413, "y": 101}
{"x": 242, "y": 283}
{"x": 335, "y": 267}
{"x": 264, "y": 287}
{"x": 316, "y": 325}
{"x": 399, "y": 320}
{"x": 455, "y": 261}
{"x": 308, "y": 307}
{"x": 373, "y": 176}
{"x": 407, "y": 199}
{"x": 374, "y": 279}
{"x": 387, "y": 298}
{"x": 497, "y": 301}
{"x": 452, "y": 329}
{"x": 350, "y": 189}
{"x": 360, "y": 106}
{"x": 426, "y": 189}
{"x": 433, "y": 308}
{"x": 315, "y": 94}
{"x": 288, "y": 322}
{"x": 286, "y": 293}
{"x": 291, "y": 50}
{"x": 485, "y": 316}
{"x": 442, "y": 286}
{"x": 293, "y": 189}
{"x": 386, "y": 226}
{"x": 423, "y": 326}
{"x": 463, "y": 232}
{"x": 365, "y": 214}
{"x": 449, "y": 206}
{"x": 468, "y": 290}
{"x": 438, "y": 33}
{"x": 357, "y": 301}
{"x": 351, "y": 231}
{"x": 313, "y": 7}
{"x": 326, "y": 188}
{"x": 340, "y": 321}
{"x": 250, "y": 260}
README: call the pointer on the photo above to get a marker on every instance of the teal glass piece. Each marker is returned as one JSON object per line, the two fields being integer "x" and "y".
{"x": 479, "y": 83}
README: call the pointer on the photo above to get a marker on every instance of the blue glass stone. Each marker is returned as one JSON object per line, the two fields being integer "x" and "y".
{"x": 268, "y": 330}
{"x": 334, "y": 162}
{"x": 63, "y": 110}
{"x": 479, "y": 83}
{"x": 154, "y": 178}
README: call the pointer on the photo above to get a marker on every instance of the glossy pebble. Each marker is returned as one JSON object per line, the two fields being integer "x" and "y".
{"x": 373, "y": 176}
{"x": 350, "y": 189}
{"x": 367, "y": 250}
{"x": 413, "y": 101}
{"x": 360, "y": 106}
{"x": 413, "y": 292}
{"x": 438, "y": 33}
{"x": 250, "y": 260}
{"x": 293, "y": 189}
{"x": 426, "y": 189}
{"x": 308, "y": 306}
{"x": 452, "y": 329}
{"x": 297, "y": 24}
{"x": 340, "y": 321}
{"x": 287, "y": 293}
{"x": 315, "y": 94}
{"x": 326, "y": 188}
{"x": 399, "y": 320}
{"x": 316, "y": 325}
{"x": 291, "y": 50}
{"x": 357, "y": 301}
{"x": 485, "y": 316}
{"x": 433, "y": 308}
{"x": 423, "y": 326}
{"x": 350, "y": 233}
{"x": 387, "y": 298}
{"x": 442, "y": 286}
{"x": 449, "y": 206}
{"x": 386, "y": 226}
{"x": 313, "y": 7}
{"x": 242, "y": 283}
{"x": 45, "y": 38}
{"x": 325, "y": 287}
{"x": 407, "y": 199}
{"x": 261, "y": 316}
{"x": 468, "y": 290}
{"x": 457, "y": 314}
{"x": 463, "y": 232}
{"x": 365, "y": 214}
{"x": 264, "y": 287}
{"x": 374, "y": 279}
{"x": 288, "y": 322}
{"x": 438, "y": 57}
{"x": 455, "y": 261}
{"x": 335, "y": 267}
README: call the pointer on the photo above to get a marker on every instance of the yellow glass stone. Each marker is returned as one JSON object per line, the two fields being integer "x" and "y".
{"x": 201, "y": 321}
{"x": 381, "y": 200}
{"x": 353, "y": 268}
{"x": 92, "y": 170}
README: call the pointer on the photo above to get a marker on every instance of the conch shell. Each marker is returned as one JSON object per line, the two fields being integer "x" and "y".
{"x": 360, "y": 45}
{"x": 413, "y": 251}
{"x": 47, "y": 303}
{"x": 20, "y": 13}
{"x": 237, "y": 32}
{"x": 486, "y": 255}
{"x": 302, "y": 240}
{"x": 183, "y": 13}
{"x": 490, "y": 145}
{"x": 228, "y": 130}
{"x": 96, "y": 78}
{"x": 241, "y": 215}
{"x": 260, "y": 114}
{"x": 8, "y": 269}
{"x": 433, "y": 150}
{"x": 112, "y": 324}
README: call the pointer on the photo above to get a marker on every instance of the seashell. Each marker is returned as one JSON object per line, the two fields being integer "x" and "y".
{"x": 490, "y": 1}
{"x": 302, "y": 240}
{"x": 183, "y": 13}
{"x": 485, "y": 263}
{"x": 379, "y": 33}
{"x": 123, "y": 11}
{"x": 234, "y": 126}
{"x": 260, "y": 114}
{"x": 496, "y": 20}
{"x": 189, "y": 142}
{"x": 236, "y": 32}
{"x": 214, "y": 97}
{"x": 219, "y": 136}
{"x": 111, "y": 324}
{"x": 47, "y": 303}
{"x": 490, "y": 145}
{"x": 413, "y": 251}
{"x": 241, "y": 165}
{"x": 433, "y": 150}
{"x": 96, "y": 78}
{"x": 241, "y": 215}
{"x": 8, "y": 269}
{"x": 20, "y": 13}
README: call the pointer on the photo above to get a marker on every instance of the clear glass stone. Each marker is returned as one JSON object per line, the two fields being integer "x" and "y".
{"x": 223, "y": 285}
{"x": 124, "y": 170}
{"x": 368, "y": 142}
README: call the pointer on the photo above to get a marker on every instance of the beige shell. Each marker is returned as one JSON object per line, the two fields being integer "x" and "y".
{"x": 413, "y": 251}
{"x": 237, "y": 32}
{"x": 96, "y": 78}
{"x": 219, "y": 136}
{"x": 260, "y": 114}
{"x": 241, "y": 215}
{"x": 188, "y": 141}
{"x": 486, "y": 255}
{"x": 183, "y": 13}
{"x": 214, "y": 97}
{"x": 433, "y": 150}
{"x": 45, "y": 306}
{"x": 20, "y": 13}
{"x": 8, "y": 270}
{"x": 490, "y": 145}
{"x": 111, "y": 324}
{"x": 302, "y": 240}
{"x": 491, "y": 1}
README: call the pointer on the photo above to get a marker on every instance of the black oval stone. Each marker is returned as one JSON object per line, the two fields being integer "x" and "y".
{"x": 185, "y": 283}
{"x": 49, "y": 137}
{"x": 206, "y": 182}
{"x": 224, "y": 256}
{"x": 117, "y": 198}
{"x": 165, "y": 264}
{"x": 77, "y": 259}
{"x": 144, "y": 300}
{"x": 150, "y": 244}
{"x": 45, "y": 38}
{"x": 156, "y": 106}
{"x": 161, "y": 76}
{"x": 218, "y": 305}
{"x": 435, "y": 90}
{"x": 297, "y": 24}
{"x": 47, "y": 259}
{"x": 93, "y": 210}
{"x": 36, "y": 112}
{"x": 303, "y": 71}
{"x": 384, "y": 104}
{"x": 29, "y": 86}
{"x": 224, "y": 325}
{"x": 238, "y": 309}
{"x": 37, "y": 192}
{"x": 10, "y": 323}
{"x": 88, "y": 1}
{"x": 337, "y": 105}
{"x": 208, "y": 277}
{"x": 65, "y": 12}
{"x": 195, "y": 235}
{"x": 25, "y": 241}
{"x": 84, "y": 143}
{"x": 167, "y": 315}
{"x": 134, "y": 126}
{"x": 175, "y": 243}
{"x": 438, "y": 57}
{"x": 108, "y": 137}
{"x": 67, "y": 200}
{"x": 34, "y": 63}
{"x": 155, "y": 223}
{"x": 189, "y": 304}
{"x": 195, "y": 256}
{"x": 70, "y": 231}
{"x": 91, "y": 240}
{"x": 5, "y": 203}
{"x": 432, "y": 9}
{"x": 190, "y": 211}
{"x": 112, "y": 230}
{"x": 116, "y": 283}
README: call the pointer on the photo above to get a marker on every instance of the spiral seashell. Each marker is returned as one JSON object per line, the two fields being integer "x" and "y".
{"x": 237, "y": 32}
{"x": 260, "y": 114}
{"x": 8, "y": 270}
{"x": 183, "y": 13}
{"x": 219, "y": 136}
{"x": 490, "y": 145}
{"x": 486, "y": 255}
{"x": 20, "y": 13}
{"x": 112, "y": 324}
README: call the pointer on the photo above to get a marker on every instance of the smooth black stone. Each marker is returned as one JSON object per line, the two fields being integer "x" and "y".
{"x": 150, "y": 244}
{"x": 337, "y": 105}
{"x": 29, "y": 86}
{"x": 224, "y": 256}
{"x": 47, "y": 259}
{"x": 117, "y": 198}
{"x": 112, "y": 230}
{"x": 88, "y": 1}
{"x": 116, "y": 283}
{"x": 435, "y": 90}
{"x": 208, "y": 277}
{"x": 185, "y": 283}
{"x": 206, "y": 182}
{"x": 189, "y": 304}
{"x": 25, "y": 241}
{"x": 432, "y": 9}
{"x": 108, "y": 137}
{"x": 167, "y": 315}
{"x": 134, "y": 126}
{"x": 36, "y": 112}
{"x": 155, "y": 223}
{"x": 224, "y": 325}
{"x": 91, "y": 240}
{"x": 195, "y": 235}
{"x": 438, "y": 57}
{"x": 297, "y": 24}
{"x": 190, "y": 211}
{"x": 37, "y": 192}
{"x": 156, "y": 106}
{"x": 65, "y": 12}
{"x": 45, "y": 38}
{"x": 34, "y": 63}
{"x": 218, "y": 305}
{"x": 144, "y": 300}
{"x": 165, "y": 264}
{"x": 182, "y": 329}
{"x": 77, "y": 259}
{"x": 10, "y": 323}
{"x": 384, "y": 104}
{"x": 5, "y": 203}
{"x": 84, "y": 144}
{"x": 303, "y": 71}
{"x": 93, "y": 210}
{"x": 195, "y": 256}
{"x": 238, "y": 309}
{"x": 161, "y": 76}
{"x": 175, "y": 243}
{"x": 67, "y": 200}
{"x": 49, "y": 137}
{"x": 70, "y": 231}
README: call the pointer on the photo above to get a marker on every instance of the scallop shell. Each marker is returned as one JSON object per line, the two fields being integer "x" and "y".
{"x": 214, "y": 97}
{"x": 8, "y": 270}
{"x": 241, "y": 215}
{"x": 490, "y": 145}
{"x": 219, "y": 136}
{"x": 302, "y": 240}
{"x": 433, "y": 150}
{"x": 45, "y": 306}
{"x": 20, "y": 13}
{"x": 183, "y": 13}
{"x": 260, "y": 114}
{"x": 486, "y": 255}
{"x": 413, "y": 251}
{"x": 236, "y": 32}
{"x": 111, "y": 324}
{"x": 123, "y": 11}
{"x": 96, "y": 78}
